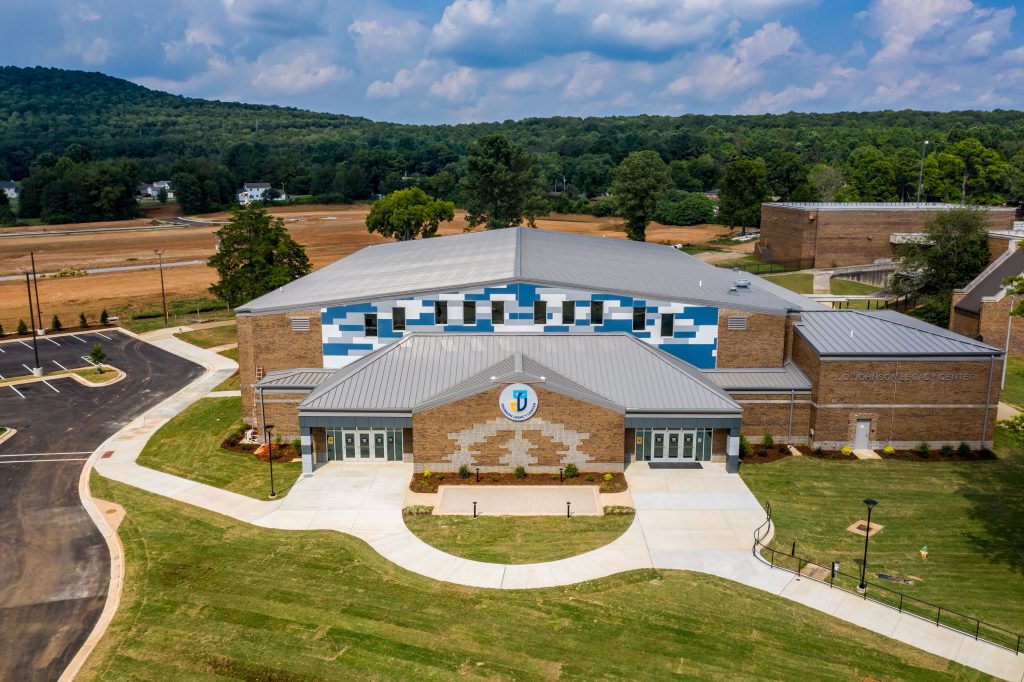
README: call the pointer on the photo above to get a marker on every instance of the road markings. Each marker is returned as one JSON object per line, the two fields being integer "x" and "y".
{"x": 104, "y": 336}
{"x": 2, "y": 350}
{"x": 86, "y": 358}
{"x": 52, "y": 341}
{"x": 17, "y": 391}
{"x": 38, "y": 461}
{"x": 45, "y": 454}
{"x": 50, "y": 385}
{"x": 27, "y": 367}
{"x": 75, "y": 336}
{"x": 24, "y": 344}
{"x": 59, "y": 365}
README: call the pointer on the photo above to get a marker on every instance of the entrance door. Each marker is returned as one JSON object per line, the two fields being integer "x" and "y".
{"x": 862, "y": 434}
{"x": 659, "y": 446}
{"x": 688, "y": 445}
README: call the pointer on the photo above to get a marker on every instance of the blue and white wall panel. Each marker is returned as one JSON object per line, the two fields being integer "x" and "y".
{"x": 694, "y": 335}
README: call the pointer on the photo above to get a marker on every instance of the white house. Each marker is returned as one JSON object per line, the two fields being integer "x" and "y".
{"x": 152, "y": 190}
{"x": 10, "y": 189}
{"x": 257, "y": 191}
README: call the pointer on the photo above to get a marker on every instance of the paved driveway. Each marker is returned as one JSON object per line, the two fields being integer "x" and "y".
{"x": 54, "y": 564}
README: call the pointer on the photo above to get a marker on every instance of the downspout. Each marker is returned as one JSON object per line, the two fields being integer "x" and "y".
{"x": 988, "y": 396}
{"x": 263, "y": 414}
{"x": 792, "y": 399}
{"x": 892, "y": 412}
{"x": 1006, "y": 348}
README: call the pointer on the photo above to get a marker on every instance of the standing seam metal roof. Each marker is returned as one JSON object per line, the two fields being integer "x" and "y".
{"x": 990, "y": 281}
{"x": 878, "y": 333}
{"x": 785, "y": 378}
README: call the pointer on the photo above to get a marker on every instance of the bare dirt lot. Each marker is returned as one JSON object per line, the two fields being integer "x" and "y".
{"x": 328, "y": 232}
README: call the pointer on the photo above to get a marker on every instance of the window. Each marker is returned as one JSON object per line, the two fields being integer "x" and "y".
{"x": 540, "y": 312}
{"x": 398, "y": 319}
{"x": 737, "y": 324}
{"x": 667, "y": 324}
{"x": 440, "y": 312}
{"x": 597, "y": 312}
{"x": 300, "y": 324}
{"x": 469, "y": 312}
{"x": 497, "y": 312}
{"x": 568, "y": 312}
{"x": 370, "y": 321}
{"x": 639, "y": 319}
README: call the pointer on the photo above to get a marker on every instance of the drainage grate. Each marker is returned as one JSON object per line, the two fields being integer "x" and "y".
{"x": 676, "y": 465}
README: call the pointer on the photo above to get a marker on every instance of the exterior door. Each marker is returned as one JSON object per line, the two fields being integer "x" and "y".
{"x": 688, "y": 445}
{"x": 862, "y": 435}
{"x": 658, "y": 445}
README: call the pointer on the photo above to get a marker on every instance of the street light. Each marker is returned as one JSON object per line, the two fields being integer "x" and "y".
{"x": 163, "y": 296}
{"x": 267, "y": 428}
{"x": 920, "y": 173}
{"x": 867, "y": 536}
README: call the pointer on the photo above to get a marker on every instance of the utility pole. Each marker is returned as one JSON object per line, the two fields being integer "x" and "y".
{"x": 920, "y": 173}
{"x": 37, "y": 371}
{"x": 35, "y": 282}
{"x": 163, "y": 296}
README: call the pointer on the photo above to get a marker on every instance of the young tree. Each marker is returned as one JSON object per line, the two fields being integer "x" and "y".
{"x": 256, "y": 256}
{"x": 500, "y": 187}
{"x": 83, "y": 321}
{"x": 7, "y": 217}
{"x": 639, "y": 180}
{"x": 826, "y": 181}
{"x": 744, "y": 188}
{"x": 104, "y": 317}
{"x": 55, "y": 324}
{"x": 161, "y": 195}
{"x": 408, "y": 213}
{"x": 98, "y": 357}
{"x": 22, "y": 327}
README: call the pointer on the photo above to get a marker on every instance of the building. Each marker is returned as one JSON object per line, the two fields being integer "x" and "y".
{"x": 152, "y": 189}
{"x": 830, "y": 235}
{"x": 11, "y": 190}
{"x": 981, "y": 310}
{"x": 259, "y": 191}
{"x": 539, "y": 348}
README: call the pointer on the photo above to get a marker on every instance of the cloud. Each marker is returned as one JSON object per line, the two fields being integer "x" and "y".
{"x": 296, "y": 74}
{"x": 787, "y": 99}
{"x": 381, "y": 45}
{"x": 458, "y": 85}
{"x": 403, "y": 81}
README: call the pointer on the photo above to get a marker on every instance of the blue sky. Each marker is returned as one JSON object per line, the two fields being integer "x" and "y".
{"x": 485, "y": 60}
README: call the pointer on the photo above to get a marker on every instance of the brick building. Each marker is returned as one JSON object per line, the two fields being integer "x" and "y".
{"x": 981, "y": 310}
{"x": 830, "y": 235}
{"x": 533, "y": 348}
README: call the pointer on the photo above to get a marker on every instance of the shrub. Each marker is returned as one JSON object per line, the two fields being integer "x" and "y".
{"x": 571, "y": 471}
{"x": 520, "y": 472}
{"x": 55, "y": 324}
{"x": 440, "y": 477}
{"x": 606, "y": 486}
{"x": 964, "y": 450}
{"x": 427, "y": 473}
{"x": 22, "y": 327}
{"x": 618, "y": 510}
{"x": 104, "y": 317}
{"x": 422, "y": 486}
{"x": 464, "y": 471}
{"x": 947, "y": 450}
{"x": 83, "y": 321}
{"x": 590, "y": 477}
{"x": 296, "y": 444}
{"x": 608, "y": 477}
{"x": 278, "y": 440}
{"x": 889, "y": 450}
{"x": 418, "y": 510}
{"x": 1014, "y": 425}
{"x": 744, "y": 446}
{"x": 494, "y": 479}
{"x": 767, "y": 442}
{"x": 922, "y": 449}
{"x": 847, "y": 450}
{"x": 818, "y": 452}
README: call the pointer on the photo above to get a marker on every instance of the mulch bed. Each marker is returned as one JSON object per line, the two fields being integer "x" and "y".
{"x": 282, "y": 453}
{"x": 818, "y": 453}
{"x": 937, "y": 456}
{"x": 419, "y": 484}
{"x": 761, "y": 455}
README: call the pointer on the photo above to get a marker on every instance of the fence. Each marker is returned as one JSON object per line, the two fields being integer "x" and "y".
{"x": 901, "y": 303}
{"x": 894, "y": 599}
{"x": 776, "y": 266}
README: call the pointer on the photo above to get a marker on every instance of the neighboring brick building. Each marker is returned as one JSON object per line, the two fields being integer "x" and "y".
{"x": 830, "y": 235}
{"x": 627, "y": 352}
{"x": 981, "y": 310}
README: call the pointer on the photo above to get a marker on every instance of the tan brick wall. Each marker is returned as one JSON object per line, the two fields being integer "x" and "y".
{"x": 269, "y": 342}
{"x": 962, "y": 321}
{"x": 769, "y": 413}
{"x": 787, "y": 234}
{"x": 997, "y": 246}
{"x": 604, "y": 445}
{"x": 762, "y": 344}
{"x": 992, "y": 325}
{"x": 282, "y": 410}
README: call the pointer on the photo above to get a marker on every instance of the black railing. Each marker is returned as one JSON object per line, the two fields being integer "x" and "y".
{"x": 774, "y": 266}
{"x": 894, "y": 599}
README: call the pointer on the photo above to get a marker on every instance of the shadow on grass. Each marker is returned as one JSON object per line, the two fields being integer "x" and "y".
{"x": 995, "y": 491}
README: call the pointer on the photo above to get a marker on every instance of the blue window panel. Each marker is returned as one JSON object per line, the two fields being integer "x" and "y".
{"x": 642, "y": 335}
{"x": 345, "y": 348}
{"x": 350, "y": 327}
{"x": 520, "y": 316}
{"x": 424, "y": 319}
{"x": 480, "y": 326}
{"x": 483, "y": 296}
{"x": 615, "y": 326}
{"x": 386, "y": 329}
{"x": 684, "y": 335}
{"x": 582, "y": 323}
{"x": 343, "y": 310}
{"x": 556, "y": 328}
{"x": 526, "y": 294}
{"x": 625, "y": 300}
{"x": 700, "y": 315}
{"x": 697, "y": 355}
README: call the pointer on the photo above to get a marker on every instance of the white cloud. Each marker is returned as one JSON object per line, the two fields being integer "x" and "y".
{"x": 92, "y": 52}
{"x": 457, "y": 85}
{"x": 86, "y": 13}
{"x": 381, "y": 45}
{"x": 297, "y": 74}
{"x": 785, "y": 100}
{"x": 403, "y": 81}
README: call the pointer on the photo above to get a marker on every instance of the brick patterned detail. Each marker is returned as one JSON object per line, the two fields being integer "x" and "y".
{"x": 483, "y": 443}
{"x": 762, "y": 344}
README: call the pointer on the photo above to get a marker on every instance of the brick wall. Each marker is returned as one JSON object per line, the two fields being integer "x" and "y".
{"x": 787, "y": 234}
{"x": 770, "y": 413}
{"x": 992, "y": 325}
{"x": 997, "y": 246}
{"x": 600, "y": 434}
{"x": 762, "y": 344}
{"x": 282, "y": 410}
{"x": 963, "y": 321}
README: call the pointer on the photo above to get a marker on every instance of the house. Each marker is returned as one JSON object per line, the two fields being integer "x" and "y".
{"x": 10, "y": 189}
{"x": 152, "y": 190}
{"x": 258, "y": 191}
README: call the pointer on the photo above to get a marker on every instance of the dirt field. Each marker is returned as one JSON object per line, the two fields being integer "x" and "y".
{"x": 327, "y": 232}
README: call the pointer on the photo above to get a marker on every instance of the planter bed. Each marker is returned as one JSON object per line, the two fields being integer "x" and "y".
{"x": 761, "y": 455}
{"x": 421, "y": 484}
{"x": 818, "y": 453}
{"x": 936, "y": 456}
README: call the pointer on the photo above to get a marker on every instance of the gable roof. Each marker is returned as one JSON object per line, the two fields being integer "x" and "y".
{"x": 617, "y": 371}
{"x": 297, "y": 380}
{"x": 990, "y": 281}
{"x": 882, "y": 333}
{"x": 789, "y": 377}
{"x": 256, "y": 185}
{"x": 544, "y": 257}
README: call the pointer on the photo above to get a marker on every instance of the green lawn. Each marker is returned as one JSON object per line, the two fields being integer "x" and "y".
{"x": 517, "y": 539}
{"x": 210, "y": 598}
{"x": 211, "y": 336}
{"x": 846, "y": 287}
{"x": 189, "y": 446}
{"x": 232, "y": 383}
{"x": 1013, "y": 392}
{"x": 801, "y": 283}
{"x": 967, "y": 513}
{"x": 231, "y": 353}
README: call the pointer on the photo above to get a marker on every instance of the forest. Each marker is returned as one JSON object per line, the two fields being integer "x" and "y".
{"x": 75, "y": 140}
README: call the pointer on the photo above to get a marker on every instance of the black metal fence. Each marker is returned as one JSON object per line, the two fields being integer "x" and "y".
{"x": 901, "y": 303}
{"x": 776, "y": 266}
{"x": 894, "y": 599}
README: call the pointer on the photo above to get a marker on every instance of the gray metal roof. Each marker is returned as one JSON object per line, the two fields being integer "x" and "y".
{"x": 616, "y": 370}
{"x": 873, "y": 206}
{"x": 990, "y": 281}
{"x": 548, "y": 257}
{"x": 295, "y": 379}
{"x": 879, "y": 333}
{"x": 785, "y": 378}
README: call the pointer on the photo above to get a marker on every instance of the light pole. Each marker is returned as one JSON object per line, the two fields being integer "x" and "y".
{"x": 920, "y": 173}
{"x": 163, "y": 296}
{"x": 867, "y": 536}
{"x": 267, "y": 428}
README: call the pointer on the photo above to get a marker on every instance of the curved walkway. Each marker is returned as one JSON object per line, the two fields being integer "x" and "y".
{"x": 687, "y": 520}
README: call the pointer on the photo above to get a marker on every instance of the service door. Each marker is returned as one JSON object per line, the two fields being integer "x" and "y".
{"x": 862, "y": 435}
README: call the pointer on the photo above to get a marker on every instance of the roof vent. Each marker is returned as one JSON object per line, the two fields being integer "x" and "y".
{"x": 742, "y": 283}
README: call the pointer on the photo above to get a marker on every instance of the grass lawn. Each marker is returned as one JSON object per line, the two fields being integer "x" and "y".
{"x": 189, "y": 446}
{"x": 801, "y": 283}
{"x": 211, "y": 336}
{"x": 90, "y": 374}
{"x": 517, "y": 539}
{"x": 230, "y": 353}
{"x": 207, "y": 597}
{"x": 1013, "y": 392}
{"x": 846, "y": 287}
{"x": 967, "y": 513}
{"x": 232, "y": 383}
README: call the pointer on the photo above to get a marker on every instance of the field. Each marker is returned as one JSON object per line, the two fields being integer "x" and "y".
{"x": 327, "y": 232}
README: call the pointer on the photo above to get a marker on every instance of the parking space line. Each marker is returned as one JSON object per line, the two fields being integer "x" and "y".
{"x": 51, "y": 386}
{"x": 105, "y": 336}
{"x": 75, "y": 336}
{"x": 27, "y": 367}
{"x": 36, "y": 461}
{"x": 45, "y": 454}
{"x": 52, "y": 341}
{"x": 17, "y": 391}
{"x": 24, "y": 344}
{"x": 2, "y": 351}
{"x": 86, "y": 358}
{"x": 59, "y": 365}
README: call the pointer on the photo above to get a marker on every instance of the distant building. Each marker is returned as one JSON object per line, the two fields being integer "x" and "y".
{"x": 152, "y": 189}
{"x": 10, "y": 189}
{"x": 981, "y": 310}
{"x": 835, "y": 234}
{"x": 257, "y": 191}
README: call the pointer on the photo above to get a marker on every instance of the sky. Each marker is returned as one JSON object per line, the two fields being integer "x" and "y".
{"x": 490, "y": 60}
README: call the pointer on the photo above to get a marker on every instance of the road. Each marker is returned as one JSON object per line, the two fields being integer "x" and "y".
{"x": 120, "y": 268}
{"x": 54, "y": 565}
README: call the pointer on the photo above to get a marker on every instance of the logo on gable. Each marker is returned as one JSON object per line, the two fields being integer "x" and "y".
{"x": 518, "y": 402}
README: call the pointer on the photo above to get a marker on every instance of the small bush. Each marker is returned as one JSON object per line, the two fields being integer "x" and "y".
{"x": 947, "y": 450}
{"x": 418, "y": 510}
{"x": 494, "y": 479}
{"x": 744, "y": 446}
{"x": 964, "y": 450}
{"x": 520, "y": 472}
{"x": 464, "y": 471}
{"x": 427, "y": 473}
{"x": 608, "y": 477}
{"x": 104, "y": 317}
{"x": 296, "y": 444}
{"x": 1014, "y": 425}
{"x": 1, "y": 330}
{"x": 767, "y": 442}
{"x": 589, "y": 477}
{"x": 618, "y": 510}
{"x": 847, "y": 450}
{"x": 440, "y": 477}
{"x": 818, "y": 452}
{"x": 606, "y": 486}
{"x": 83, "y": 321}
{"x": 56, "y": 324}
{"x": 22, "y": 327}
{"x": 889, "y": 450}
{"x": 571, "y": 471}
{"x": 922, "y": 449}
{"x": 422, "y": 486}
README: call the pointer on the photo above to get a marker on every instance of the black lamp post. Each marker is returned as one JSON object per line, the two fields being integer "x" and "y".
{"x": 867, "y": 536}
{"x": 267, "y": 428}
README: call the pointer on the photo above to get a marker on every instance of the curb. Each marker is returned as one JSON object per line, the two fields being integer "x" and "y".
{"x": 8, "y": 434}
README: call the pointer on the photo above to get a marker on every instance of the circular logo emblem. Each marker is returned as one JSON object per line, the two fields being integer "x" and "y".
{"x": 518, "y": 402}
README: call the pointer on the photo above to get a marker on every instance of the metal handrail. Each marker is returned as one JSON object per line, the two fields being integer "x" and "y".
{"x": 905, "y": 601}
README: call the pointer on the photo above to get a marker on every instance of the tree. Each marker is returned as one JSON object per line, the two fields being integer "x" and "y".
{"x": 639, "y": 180}
{"x": 161, "y": 195}
{"x": 500, "y": 188}
{"x": 256, "y": 256}
{"x": 744, "y": 189}
{"x": 22, "y": 327}
{"x": 55, "y": 324}
{"x": 98, "y": 357}
{"x": 7, "y": 217}
{"x": 786, "y": 172}
{"x": 676, "y": 207}
{"x": 826, "y": 181}
{"x": 408, "y": 213}
{"x": 104, "y": 317}
{"x": 201, "y": 186}
{"x": 83, "y": 321}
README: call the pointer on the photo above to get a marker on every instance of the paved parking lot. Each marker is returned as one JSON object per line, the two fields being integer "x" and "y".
{"x": 54, "y": 562}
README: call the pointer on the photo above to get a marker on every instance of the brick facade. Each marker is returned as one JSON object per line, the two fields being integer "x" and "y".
{"x": 786, "y": 417}
{"x": 990, "y": 324}
{"x": 761, "y": 344}
{"x": 281, "y": 410}
{"x": 561, "y": 427}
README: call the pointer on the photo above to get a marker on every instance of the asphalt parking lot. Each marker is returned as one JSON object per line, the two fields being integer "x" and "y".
{"x": 54, "y": 562}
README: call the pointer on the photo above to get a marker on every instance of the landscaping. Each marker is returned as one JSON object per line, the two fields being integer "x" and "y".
{"x": 1013, "y": 392}
{"x": 517, "y": 539}
{"x": 190, "y": 446}
{"x": 211, "y": 337}
{"x": 208, "y": 597}
{"x": 967, "y": 514}
{"x": 428, "y": 481}
{"x": 231, "y": 353}
{"x": 803, "y": 283}
{"x": 232, "y": 383}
